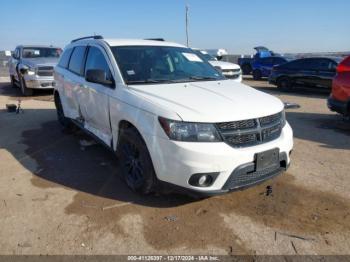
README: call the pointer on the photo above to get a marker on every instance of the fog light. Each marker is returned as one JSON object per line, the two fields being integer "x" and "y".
{"x": 203, "y": 180}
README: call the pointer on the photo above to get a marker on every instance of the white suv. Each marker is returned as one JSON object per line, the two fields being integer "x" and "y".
{"x": 170, "y": 116}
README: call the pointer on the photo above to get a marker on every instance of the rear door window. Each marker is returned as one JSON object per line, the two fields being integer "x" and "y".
{"x": 325, "y": 65}
{"x": 77, "y": 60}
{"x": 65, "y": 58}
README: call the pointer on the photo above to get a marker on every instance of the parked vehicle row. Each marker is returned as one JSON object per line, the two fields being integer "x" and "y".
{"x": 170, "y": 116}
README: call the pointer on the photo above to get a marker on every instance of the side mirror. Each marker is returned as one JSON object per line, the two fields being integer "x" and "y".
{"x": 98, "y": 76}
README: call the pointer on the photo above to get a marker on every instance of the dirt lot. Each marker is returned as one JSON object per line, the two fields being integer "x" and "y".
{"x": 58, "y": 197}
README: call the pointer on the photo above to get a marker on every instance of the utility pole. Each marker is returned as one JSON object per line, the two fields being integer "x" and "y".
{"x": 187, "y": 41}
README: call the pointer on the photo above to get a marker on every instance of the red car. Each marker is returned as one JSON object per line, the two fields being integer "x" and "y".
{"x": 339, "y": 100}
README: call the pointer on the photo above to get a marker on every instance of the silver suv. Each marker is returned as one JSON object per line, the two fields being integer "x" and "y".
{"x": 31, "y": 67}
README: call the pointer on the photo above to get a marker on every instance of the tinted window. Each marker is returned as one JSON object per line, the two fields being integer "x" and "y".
{"x": 299, "y": 64}
{"x": 279, "y": 60}
{"x": 324, "y": 65}
{"x": 65, "y": 58}
{"x": 309, "y": 64}
{"x": 76, "y": 60}
{"x": 96, "y": 60}
{"x": 35, "y": 52}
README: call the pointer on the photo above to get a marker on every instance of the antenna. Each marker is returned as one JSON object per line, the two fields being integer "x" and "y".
{"x": 187, "y": 22}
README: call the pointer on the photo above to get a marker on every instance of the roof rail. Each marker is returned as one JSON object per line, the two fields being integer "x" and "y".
{"x": 156, "y": 39}
{"x": 88, "y": 37}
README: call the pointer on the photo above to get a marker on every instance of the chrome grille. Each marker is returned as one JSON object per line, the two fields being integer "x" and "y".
{"x": 251, "y": 132}
{"x": 45, "y": 71}
{"x": 267, "y": 120}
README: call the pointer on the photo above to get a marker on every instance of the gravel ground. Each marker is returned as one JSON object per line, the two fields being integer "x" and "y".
{"x": 59, "y": 197}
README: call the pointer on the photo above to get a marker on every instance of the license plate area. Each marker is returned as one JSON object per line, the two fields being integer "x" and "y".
{"x": 267, "y": 159}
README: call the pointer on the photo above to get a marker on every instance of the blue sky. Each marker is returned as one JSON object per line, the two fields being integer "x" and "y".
{"x": 237, "y": 25}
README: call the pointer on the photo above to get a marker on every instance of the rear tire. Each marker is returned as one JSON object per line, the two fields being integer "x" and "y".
{"x": 25, "y": 91}
{"x": 13, "y": 82}
{"x": 135, "y": 162}
{"x": 257, "y": 74}
{"x": 284, "y": 84}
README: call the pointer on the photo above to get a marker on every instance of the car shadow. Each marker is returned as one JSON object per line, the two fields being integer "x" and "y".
{"x": 14, "y": 93}
{"x": 75, "y": 161}
{"x": 330, "y": 130}
{"x": 300, "y": 91}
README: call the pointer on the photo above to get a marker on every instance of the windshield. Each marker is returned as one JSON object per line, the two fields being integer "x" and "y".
{"x": 159, "y": 64}
{"x": 34, "y": 52}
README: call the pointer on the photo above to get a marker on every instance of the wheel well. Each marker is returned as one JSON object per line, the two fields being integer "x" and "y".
{"x": 124, "y": 124}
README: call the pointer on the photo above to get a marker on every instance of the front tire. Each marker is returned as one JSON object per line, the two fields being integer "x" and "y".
{"x": 284, "y": 84}
{"x": 25, "y": 91}
{"x": 65, "y": 122}
{"x": 135, "y": 162}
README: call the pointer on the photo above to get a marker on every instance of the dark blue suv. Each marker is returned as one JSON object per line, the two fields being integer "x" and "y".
{"x": 262, "y": 66}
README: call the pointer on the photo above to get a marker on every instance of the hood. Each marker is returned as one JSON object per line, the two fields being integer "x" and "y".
{"x": 224, "y": 65}
{"x": 211, "y": 101}
{"x": 40, "y": 61}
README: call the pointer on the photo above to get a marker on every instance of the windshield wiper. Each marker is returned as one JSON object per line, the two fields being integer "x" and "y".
{"x": 151, "y": 81}
{"x": 201, "y": 78}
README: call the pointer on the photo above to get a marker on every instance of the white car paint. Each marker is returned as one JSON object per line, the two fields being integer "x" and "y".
{"x": 228, "y": 69}
{"x": 103, "y": 108}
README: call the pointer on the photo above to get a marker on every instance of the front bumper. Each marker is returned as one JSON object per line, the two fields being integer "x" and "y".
{"x": 175, "y": 162}
{"x": 338, "y": 106}
{"x": 39, "y": 82}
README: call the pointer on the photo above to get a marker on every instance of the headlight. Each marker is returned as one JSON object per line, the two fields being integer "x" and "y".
{"x": 31, "y": 71}
{"x": 189, "y": 132}
{"x": 28, "y": 70}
